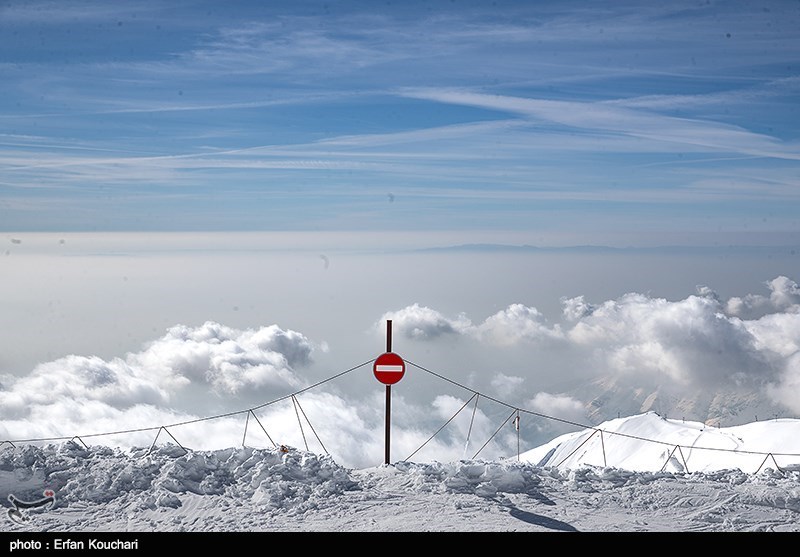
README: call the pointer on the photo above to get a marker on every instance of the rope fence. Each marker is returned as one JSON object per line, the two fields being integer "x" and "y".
{"x": 301, "y": 415}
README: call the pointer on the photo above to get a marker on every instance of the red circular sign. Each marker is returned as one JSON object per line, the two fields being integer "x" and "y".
{"x": 389, "y": 368}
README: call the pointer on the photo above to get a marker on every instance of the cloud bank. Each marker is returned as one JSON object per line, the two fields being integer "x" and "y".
{"x": 698, "y": 344}
{"x": 226, "y": 360}
{"x": 76, "y": 395}
{"x": 509, "y": 326}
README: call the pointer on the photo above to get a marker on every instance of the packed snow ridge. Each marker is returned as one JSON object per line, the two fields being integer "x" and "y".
{"x": 167, "y": 488}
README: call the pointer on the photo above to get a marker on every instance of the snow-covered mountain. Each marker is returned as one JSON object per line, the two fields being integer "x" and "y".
{"x": 652, "y": 443}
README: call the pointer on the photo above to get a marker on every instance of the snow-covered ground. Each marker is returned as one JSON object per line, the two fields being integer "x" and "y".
{"x": 563, "y": 486}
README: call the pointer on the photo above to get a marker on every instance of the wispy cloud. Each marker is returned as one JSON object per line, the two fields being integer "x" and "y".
{"x": 607, "y": 118}
{"x": 566, "y": 103}
{"x": 761, "y": 92}
{"x": 54, "y": 12}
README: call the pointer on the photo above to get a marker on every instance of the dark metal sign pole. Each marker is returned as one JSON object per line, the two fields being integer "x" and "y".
{"x": 388, "y": 389}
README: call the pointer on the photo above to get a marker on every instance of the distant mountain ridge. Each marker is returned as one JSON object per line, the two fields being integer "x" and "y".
{"x": 721, "y": 406}
{"x": 588, "y": 248}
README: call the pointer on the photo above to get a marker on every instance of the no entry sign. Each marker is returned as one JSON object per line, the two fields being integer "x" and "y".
{"x": 389, "y": 368}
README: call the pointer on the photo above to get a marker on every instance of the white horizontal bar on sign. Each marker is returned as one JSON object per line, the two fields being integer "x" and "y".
{"x": 387, "y": 368}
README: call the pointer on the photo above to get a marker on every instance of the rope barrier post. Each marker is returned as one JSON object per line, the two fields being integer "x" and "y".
{"x": 81, "y": 440}
{"x": 603, "y": 447}
{"x": 766, "y": 458}
{"x": 578, "y": 447}
{"x": 472, "y": 421}
{"x": 246, "y": 421}
{"x": 388, "y": 429}
{"x": 388, "y": 393}
{"x": 299, "y": 422}
{"x": 185, "y": 450}
{"x": 154, "y": 440}
{"x": 274, "y": 444}
{"x": 388, "y": 368}
{"x": 669, "y": 458}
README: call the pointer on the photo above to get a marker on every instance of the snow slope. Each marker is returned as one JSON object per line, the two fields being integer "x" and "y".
{"x": 651, "y": 443}
{"x": 101, "y": 489}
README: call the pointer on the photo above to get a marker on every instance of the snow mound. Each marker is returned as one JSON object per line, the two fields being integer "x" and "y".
{"x": 276, "y": 478}
{"x": 168, "y": 488}
{"x": 651, "y": 443}
{"x": 101, "y": 474}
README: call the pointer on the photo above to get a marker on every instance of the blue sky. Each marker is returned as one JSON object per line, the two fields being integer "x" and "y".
{"x": 565, "y": 122}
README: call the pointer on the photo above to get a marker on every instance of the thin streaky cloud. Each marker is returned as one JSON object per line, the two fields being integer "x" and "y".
{"x": 572, "y": 102}
{"x": 701, "y": 161}
{"x": 299, "y": 150}
{"x": 144, "y": 109}
{"x": 55, "y": 12}
{"x": 603, "y": 117}
{"x": 67, "y": 147}
{"x": 786, "y": 87}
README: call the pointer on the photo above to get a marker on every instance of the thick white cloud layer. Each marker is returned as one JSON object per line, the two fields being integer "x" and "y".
{"x": 514, "y": 324}
{"x": 229, "y": 360}
{"x": 225, "y": 359}
{"x": 423, "y": 323}
{"x": 565, "y": 407}
{"x": 687, "y": 341}
{"x": 784, "y": 296}
{"x": 699, "y": 342}
{"x": 693, "y": 344}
